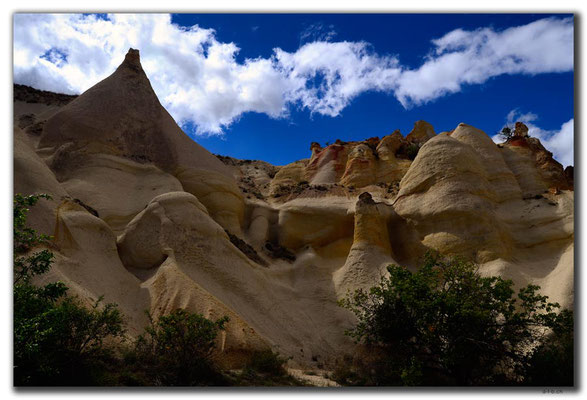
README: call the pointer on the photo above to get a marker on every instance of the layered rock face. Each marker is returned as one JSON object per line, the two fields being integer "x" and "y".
{"x": 375, "y": 161}
{"x": 148, "y": 218}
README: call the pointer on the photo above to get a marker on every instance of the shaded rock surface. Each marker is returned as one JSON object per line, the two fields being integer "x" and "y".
{"x": 32, "y": 95}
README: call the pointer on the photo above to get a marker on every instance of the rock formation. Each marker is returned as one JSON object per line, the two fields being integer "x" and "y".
{"x": 421, "y": 133}
{"x": 117, "y": 136}
{"x": 151, "y": 220}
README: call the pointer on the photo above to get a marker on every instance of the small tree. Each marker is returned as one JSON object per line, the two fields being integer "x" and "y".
{"x": 412, "y": 151}
{"x": 57, "y": 341}
{"x": 176, "y": 350}
{"x": 506, "y": 133}
{"x": 446, "y": 324}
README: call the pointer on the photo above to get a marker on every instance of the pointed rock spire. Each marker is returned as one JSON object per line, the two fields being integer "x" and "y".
{"x": 122, "y": 116}
{"x": 132, "y": 60}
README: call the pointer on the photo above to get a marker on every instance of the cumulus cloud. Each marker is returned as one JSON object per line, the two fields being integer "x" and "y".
{"x": 199, "y": 80}
{"x": 472, "y": 57}
{"x": 324, "y": 77}
{"x": 559, "y": 141}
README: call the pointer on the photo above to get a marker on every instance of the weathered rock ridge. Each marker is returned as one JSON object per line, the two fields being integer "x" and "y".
{"x": 151, "y": 220}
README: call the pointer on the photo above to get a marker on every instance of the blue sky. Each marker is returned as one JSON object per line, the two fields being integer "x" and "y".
{"x": 263, "y": 86}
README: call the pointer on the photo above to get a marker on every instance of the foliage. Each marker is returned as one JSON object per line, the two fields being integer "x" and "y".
{"x": 506, "y": 133}
{"x": 57, "y": 341}
{"x": 447, "y": 325}
{"x": 265, "y": 368}
{"x": 552, "y": 363}
{"x": 350, "y": 371}
{"x": 176, "y": 350}
{"x": 412, "y": 151}
{"x": 24, "y": 238}
{"x": 267, "y": 362}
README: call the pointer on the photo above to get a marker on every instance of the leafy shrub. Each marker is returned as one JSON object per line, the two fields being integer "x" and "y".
{"x": 267, "y": 362}
{"x": 347, "y": 372}
{"x": 447, "y": 325}
{"x": 265, "y": 368}
{"x": 176, "y": 350}
{"x": 506, "y": 133}
{"x": 552, "y": 363}
{"x": 412, "y": 151}
{"x": 57, "y": 341}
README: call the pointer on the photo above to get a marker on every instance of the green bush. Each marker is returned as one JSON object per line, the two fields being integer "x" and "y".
{"x": 447, "y": 325}
{"x": 506, "y": 133}
{"x": 552, "y": 363}
{"x": 265, "y": 368}
{"x": 267, "y": 362}
{"x": 412, "y": 151}
{"x": 176, "y": 350}
{"x": 350, "y": 371}
{"x": 57, "y": 341}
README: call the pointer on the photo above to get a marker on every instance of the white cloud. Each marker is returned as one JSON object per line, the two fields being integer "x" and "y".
{"x": 472, "y": 57}
{"x": 199, "y": 80}
{"x": 560, "y": 142}
{"x": 324, "y": 77}
{"x": 317, "y": 32}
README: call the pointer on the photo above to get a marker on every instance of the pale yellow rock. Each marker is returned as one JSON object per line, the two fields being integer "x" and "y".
{"x": 87, "y": 261}
{"x": 218, "y": 193}
{"x": 121, "y": 117}
{"x": 421, "y": 133}
{"x": 558, "y": 285}
{"x": 364, "y": 267}
{"x": 520, "y": 161}
{"x": 315, "y": 222}
{"x": 447, "y": 195}
{"x": 388, "y": 146}
{"x": 360, "y": 168}
{"x": 144, "y": 245}
{"x": 370, "y": 253}
{"x": 262, "y": 219}
{"x": 32, "y": 176}
{"x": 389, "y": 167}
{"x": 549, "y": 265}
{"x": 290, "y": 174}
{"x": 171, "y": 289}
{"x": 538, "y": 221}
{"x": 463, "y": 199}
{"x": 116, "y": 187}
{"x": 370, "y": 224}
{"x": 499, "y": 175}
{"x": 279, "y": 303}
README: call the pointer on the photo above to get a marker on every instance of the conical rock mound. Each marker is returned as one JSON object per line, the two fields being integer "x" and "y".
{"x": 115, "y": 147}
{"x": 122, "y": 116}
